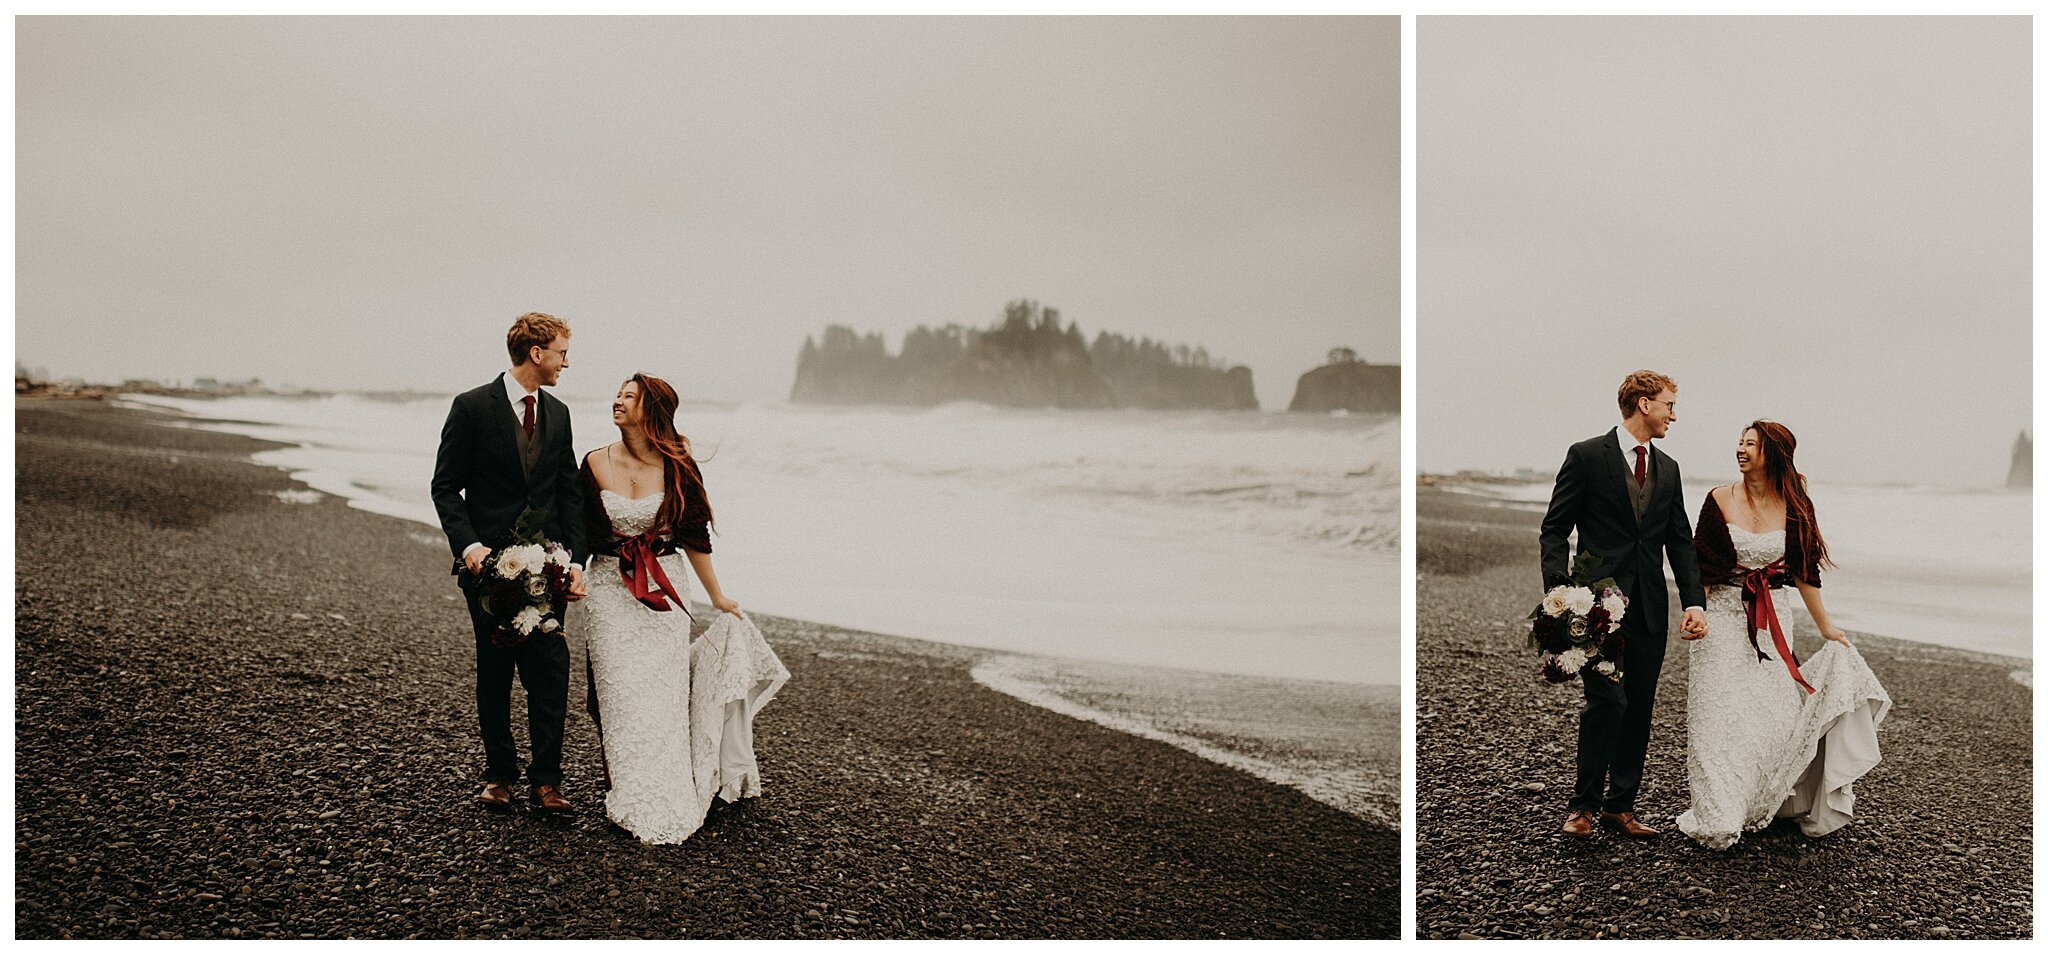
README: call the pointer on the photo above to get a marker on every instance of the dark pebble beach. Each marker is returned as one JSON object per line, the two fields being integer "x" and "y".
{"x": 245, "y": 710}
{"x": 1941, "y": 847}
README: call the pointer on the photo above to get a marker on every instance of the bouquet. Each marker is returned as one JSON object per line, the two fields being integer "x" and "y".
{"x": 523, "y": 583}
{"x": 1578, "y": 625}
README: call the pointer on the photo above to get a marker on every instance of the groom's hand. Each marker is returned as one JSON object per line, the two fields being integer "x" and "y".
{"x": 576, "y": 591}
{"x": 1694, "y": 626}
{"x": 473, "y": 558}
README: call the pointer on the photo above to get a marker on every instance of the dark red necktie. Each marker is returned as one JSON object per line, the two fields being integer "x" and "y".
{"x": 1639, "y": 448}
{"x": 527, "y": 423}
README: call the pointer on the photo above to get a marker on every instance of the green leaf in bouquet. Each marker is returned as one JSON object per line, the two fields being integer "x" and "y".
{"x": 530, "y": 527}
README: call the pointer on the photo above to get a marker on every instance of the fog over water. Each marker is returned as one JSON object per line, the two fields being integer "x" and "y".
{"x": 368, "y": 202}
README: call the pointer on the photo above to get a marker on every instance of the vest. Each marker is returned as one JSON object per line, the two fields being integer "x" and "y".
{"x": 529, "y": 448}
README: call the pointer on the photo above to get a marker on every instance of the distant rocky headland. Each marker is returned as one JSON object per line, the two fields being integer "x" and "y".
{"x": 2021, "y": 474}
{"x": 1030, "y": 359}
{"x": 1347, "y": 384}
{"x": 38, "y": 384}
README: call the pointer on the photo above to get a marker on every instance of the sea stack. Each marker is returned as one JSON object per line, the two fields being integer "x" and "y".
{"x": 1345, "y": 383}
{"x": 2022, "y": 473}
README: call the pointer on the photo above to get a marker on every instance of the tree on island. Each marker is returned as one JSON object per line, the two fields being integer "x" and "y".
{"x": 1028, "y": 358}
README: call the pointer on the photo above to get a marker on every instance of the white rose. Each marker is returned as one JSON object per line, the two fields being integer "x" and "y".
{"x": 1553, "y": 602}
{"x": 1579, "y": 600}
{"x": 558, "y": 557}
{"x": 511, "y": 563}
{"x": 550, "y": 625}
{"x": 525, "y": 620}
{"x": 1606, "y": 667}
{"x": 1614, "y": 604}
{"x": 1571, "y": 660}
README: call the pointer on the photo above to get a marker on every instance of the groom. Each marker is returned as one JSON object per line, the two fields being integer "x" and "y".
{"x": 1623, "y": 496}
{"x": 506, "y": 449}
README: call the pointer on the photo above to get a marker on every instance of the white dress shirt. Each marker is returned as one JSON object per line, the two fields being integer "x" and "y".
{"x": 1628, "y": 454}
{"x": 516, "y": 394}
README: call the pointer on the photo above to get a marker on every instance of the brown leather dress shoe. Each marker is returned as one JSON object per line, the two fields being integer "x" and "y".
{"x": 1627, "y": 824}
{"x": 1579, "y": 825}
{"x": 495, "y": 796}
{"x": 550, "y": 799}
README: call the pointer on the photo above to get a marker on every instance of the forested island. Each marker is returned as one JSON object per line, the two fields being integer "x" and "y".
{"x": 1031, "y": 359}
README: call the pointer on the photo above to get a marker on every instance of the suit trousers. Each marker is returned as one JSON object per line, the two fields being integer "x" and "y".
{"x": 1614, "y": 726}
{"x": 542, "y": 662}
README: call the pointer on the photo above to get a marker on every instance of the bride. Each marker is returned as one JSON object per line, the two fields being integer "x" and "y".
{"x": 1768, "y": 735}
{"x": 677, "y": 716}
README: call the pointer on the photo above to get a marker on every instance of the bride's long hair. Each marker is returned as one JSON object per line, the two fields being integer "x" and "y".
{"x": 681, "y": 481}
{"x": 1777, "y": 444}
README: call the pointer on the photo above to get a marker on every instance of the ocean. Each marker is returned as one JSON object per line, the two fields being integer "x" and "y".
{"x": 1942, "y": 565}
{"x": 1253, "y": 544}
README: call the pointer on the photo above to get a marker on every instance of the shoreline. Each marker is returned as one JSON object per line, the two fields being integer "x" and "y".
{"x": 1337, "y": 743}
{"x": 299, "y": 762}
{"x": 1114, "y": 561}
{"x": 1928, "y": 855}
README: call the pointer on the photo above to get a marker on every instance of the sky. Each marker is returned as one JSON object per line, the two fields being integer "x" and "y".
{"x": 367, "y": 203}
{"x": 1821, "y": 221}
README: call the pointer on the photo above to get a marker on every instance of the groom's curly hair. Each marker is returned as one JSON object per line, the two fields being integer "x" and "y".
{"x": 532, "y": 330}
{"x": 1641, "y": 384}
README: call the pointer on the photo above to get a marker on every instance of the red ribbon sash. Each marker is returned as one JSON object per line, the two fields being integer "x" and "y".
{"x": 643, "y": 575}
{"x": 1756, "y": 596}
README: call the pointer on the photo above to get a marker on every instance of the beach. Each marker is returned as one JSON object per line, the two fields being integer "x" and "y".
{"x": 244, "y": 710}
{"x": 1941, "y": 846}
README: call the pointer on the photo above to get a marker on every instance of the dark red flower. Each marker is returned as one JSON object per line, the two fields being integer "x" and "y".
{"x": 1554, "y": 673}
{"x": 1550, "y": 634}
{"x": 507, "y": 596}
{"x": 1611, "y": 645}
{"x": 1598, "y": 619}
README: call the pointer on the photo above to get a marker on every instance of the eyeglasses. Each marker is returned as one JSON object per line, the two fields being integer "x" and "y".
{"x": 559, "y": 351}
{"x": 1671, "y": 406}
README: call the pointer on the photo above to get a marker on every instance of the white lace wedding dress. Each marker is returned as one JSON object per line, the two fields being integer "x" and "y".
{"x": 1758, "y": 746}
{"x": 677, "y": 717}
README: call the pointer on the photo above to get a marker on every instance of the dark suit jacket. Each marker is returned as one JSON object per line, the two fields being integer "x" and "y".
{"x": 479, "y": 487}
{"x": 1592, "y": 497}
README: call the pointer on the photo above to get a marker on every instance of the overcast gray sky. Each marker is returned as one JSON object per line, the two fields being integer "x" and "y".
{"x": 346, "y": 203}
{"x": 1822, "y": 221}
